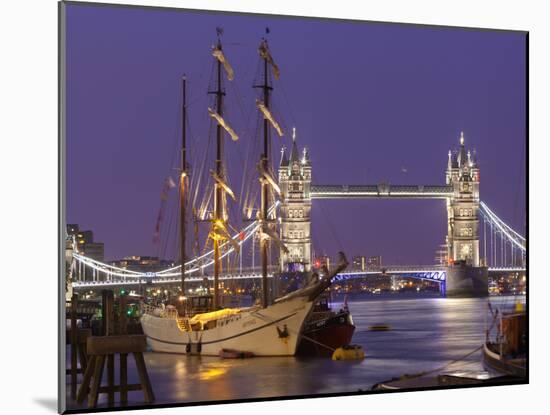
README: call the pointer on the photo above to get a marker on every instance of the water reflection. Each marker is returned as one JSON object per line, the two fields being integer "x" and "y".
{"x": 426, "y": 333}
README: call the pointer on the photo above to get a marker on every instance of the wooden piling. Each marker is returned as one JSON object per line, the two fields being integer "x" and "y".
{"x": 84, "y": 388}
{"x": 107, "y": 312}
{"x": 111, "y": 379}
{"x": 122, "y": 320}
{"x": 96, "y": 381}
{"x": 144, "y": 378}
{"x": 123, "y": 379}
{"x": 74, "y": 345}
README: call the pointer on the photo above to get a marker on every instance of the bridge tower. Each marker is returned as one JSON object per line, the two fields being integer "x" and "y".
{"x": 295, "y": 184}
{"x": 463, "y": 207}
{"x": 465, "y": 276}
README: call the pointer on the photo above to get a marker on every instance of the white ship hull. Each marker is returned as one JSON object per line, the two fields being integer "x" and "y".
{"x": 271, "y": 331}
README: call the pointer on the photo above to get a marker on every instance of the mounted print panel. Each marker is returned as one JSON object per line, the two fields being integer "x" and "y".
{"x": 259, "y": 207}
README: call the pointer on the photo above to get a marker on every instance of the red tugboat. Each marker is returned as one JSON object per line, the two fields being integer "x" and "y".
{"x": 326, "y": 329}
{"x": 507, "y": 354}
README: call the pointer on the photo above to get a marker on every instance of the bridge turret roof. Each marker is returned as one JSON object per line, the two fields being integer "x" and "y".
{"x": 284, "y": 159}
{"x": 294, "y": 153}
{"x": 462, "y": 156}
{"x": 305, "y": 158}
{"x": 454, "y": 160}
{"x": 474, "y": 158}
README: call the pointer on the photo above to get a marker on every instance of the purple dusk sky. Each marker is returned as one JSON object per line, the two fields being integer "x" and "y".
{"x": 373, "y": 102}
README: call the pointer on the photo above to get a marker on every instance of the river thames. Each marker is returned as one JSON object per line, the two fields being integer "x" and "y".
{"x": 426, "y": 333}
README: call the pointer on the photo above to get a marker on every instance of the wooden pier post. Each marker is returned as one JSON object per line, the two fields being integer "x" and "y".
{"x": 123, "y": 379}
{"x": 122, "y": 319}
{"x": 74, "y": 340}
{"x": 107, "y": 312}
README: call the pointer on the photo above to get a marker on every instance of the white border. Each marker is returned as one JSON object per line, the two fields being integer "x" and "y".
{"x": 28, "y": 163}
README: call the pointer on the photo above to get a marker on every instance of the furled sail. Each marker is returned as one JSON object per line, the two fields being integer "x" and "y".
{"x": 270, "y": 233}
{"x": 219, "y": 232}
{"x": 223, "y": 184}
{"x": 218, "y": 54}
{"x": 223, "y": 124}
{"x": 268, "y": 116}
{"x": 264, "y": 53}
{"x": 269, "y": 178}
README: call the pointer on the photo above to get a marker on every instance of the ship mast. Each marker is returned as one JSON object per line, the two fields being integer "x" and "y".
{"x": 219, "y": 232}
{"x": 182, "y": 183}
{"x": 218, "y": 214}
{"x": 264, "y": 162}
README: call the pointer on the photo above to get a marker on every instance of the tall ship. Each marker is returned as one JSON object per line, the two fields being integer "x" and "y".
{"x": 199, "y": 325}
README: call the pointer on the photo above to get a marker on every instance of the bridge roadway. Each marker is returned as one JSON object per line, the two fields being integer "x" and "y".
{"x": 432, "y": 273}
{"x": 382, "y": 190}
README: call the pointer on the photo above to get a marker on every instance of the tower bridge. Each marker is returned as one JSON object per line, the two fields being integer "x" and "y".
{"x": 462, "y": 203}
{"x": 466, "y": 274}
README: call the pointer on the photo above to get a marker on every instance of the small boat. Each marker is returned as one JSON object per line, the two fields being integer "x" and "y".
{"x": 507, "y": 353}
{"x": 380, "y": 327}
{"x": 419, "y": 381}
{"x": 326, "y": 330}
{"x": 234, "y": 354}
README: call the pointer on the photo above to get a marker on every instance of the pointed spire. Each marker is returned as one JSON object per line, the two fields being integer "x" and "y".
{"x": 449, "y": 162}
{"x": 284, "y": 159}
{"x": 462, "y": 158}
{"x": 305, "y": 156}
{"x": 294, "y": 154}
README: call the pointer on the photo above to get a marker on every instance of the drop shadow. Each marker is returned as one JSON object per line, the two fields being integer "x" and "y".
{"x": 48, "y": 403}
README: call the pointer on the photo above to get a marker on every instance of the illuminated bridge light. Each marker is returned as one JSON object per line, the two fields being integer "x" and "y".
{"x": 121, "y": 276}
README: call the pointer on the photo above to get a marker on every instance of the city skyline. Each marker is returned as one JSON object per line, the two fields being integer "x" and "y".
{"x": 394, "y": 99}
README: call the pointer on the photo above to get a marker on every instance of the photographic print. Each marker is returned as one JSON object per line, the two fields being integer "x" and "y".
{"x": 259, "y": 207}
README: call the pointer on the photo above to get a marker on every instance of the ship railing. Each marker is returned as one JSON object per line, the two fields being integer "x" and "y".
{"x": 182, "y": 322}
{"x": 169, "y": 313}
{"x": 159, "y": 312}
{"x": 147, "y": 309}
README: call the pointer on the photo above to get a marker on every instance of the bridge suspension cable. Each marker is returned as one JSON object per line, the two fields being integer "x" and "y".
{"x": 512, "y": 236}
{"x": 207, "y": 258}
{"x": 496, "y": 226}
{"x": 497, "y": 235}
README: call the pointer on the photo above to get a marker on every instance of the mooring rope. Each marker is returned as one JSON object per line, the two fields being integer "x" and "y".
{"x": 439, "y": 369}
{"x": 296, "y": 332}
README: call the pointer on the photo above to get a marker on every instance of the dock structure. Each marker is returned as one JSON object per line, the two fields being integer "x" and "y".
{"x": 96, "y": 352}
{"x": 102, "y": 349}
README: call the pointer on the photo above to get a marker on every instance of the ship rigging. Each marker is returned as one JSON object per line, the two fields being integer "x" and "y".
{"x": 198, "y": 327}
